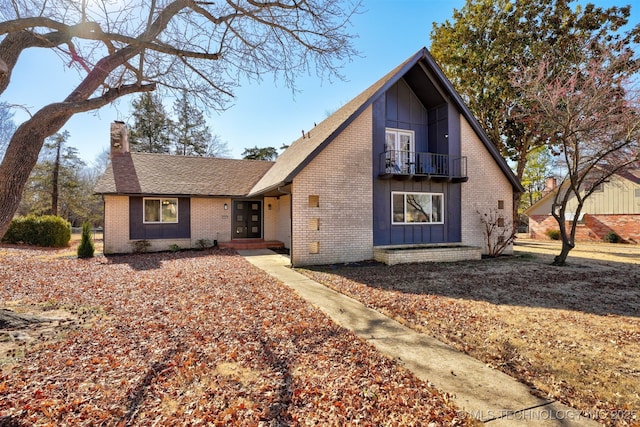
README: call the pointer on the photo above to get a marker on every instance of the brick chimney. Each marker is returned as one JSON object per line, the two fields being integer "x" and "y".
{"x": 119, "y": 138}
{"x": 549, "y": 184}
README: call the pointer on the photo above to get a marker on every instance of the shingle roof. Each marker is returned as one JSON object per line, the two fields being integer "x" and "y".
{"x": 161, "y": 174}
{"x": 632, "y": 175}
{"x": 303, "y": 150}
{"x": 138, "y": 173}
{"x": 294, "y": 158}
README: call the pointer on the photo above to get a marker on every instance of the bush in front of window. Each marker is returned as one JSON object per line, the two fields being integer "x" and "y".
{"x": 45, "y": 230}
{"x": 140, "y": 246}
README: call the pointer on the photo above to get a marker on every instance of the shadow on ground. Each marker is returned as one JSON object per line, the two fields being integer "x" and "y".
{"x": 585, "y": 285}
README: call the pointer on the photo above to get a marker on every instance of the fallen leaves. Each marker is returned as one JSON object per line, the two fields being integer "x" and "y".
{"x": 573, "y": 332}
{"x": 198, "y": 338}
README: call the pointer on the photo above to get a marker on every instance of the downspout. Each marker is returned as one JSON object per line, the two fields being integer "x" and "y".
{"x": 104, "y": 221}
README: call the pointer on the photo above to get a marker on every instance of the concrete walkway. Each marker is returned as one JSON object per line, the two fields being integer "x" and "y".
{"x": 487, "y": 394}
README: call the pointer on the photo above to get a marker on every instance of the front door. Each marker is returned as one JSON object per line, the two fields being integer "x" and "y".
{"x": 247, "y": 221}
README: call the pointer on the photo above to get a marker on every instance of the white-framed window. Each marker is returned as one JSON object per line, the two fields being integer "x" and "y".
{"x": 158, "y": 210}
{"x": 400, "y": 146}
{"x": 417, "y": 208}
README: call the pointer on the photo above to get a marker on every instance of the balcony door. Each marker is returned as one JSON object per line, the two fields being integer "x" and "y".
{"x": 400, "y": 146}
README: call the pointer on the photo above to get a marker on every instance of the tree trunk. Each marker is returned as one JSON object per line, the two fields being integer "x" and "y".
{"x": 561, "y": 259}
{"x": 520, "y": 166}
{"x": 20, "y": 158}
{"x": 9, "y": 319}
{"x": 56, "y": 174}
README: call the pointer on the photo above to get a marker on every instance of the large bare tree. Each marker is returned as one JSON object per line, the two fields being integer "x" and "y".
{"x": 133, "y": 46}
{"x": 589, "y": 116}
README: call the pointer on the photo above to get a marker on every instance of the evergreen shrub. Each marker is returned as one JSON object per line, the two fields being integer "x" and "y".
{"x": 612, "y": 237}
{"x": 45, "y": 230}
{"x": 86, "y": 248}
{"x": 554, "y": 234}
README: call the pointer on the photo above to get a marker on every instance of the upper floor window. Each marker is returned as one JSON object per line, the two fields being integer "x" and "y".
{"x": 160, "y": 210}
{"x": 417, "y": 208}
{"x": 399, "y": 140}
{"x": 400, "y": 146}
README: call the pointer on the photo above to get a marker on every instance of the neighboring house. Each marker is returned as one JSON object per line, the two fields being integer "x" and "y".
{"x": 403, "y": 163}
{"x": 613, "y": 207}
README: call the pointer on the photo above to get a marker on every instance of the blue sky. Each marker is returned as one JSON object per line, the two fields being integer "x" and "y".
{"x": 265, "y": 114}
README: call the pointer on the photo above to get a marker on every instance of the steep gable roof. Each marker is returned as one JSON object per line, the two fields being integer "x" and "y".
{"x": 303, "y": 150}
{"x": 161, "y": 174}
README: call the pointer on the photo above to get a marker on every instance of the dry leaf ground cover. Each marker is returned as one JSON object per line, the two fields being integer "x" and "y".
{"x": 571, "y": 332}
{"x": 195, "y": 338}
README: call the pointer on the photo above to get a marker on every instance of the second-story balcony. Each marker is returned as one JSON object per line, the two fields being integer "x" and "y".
{"x": 399, "y": 164}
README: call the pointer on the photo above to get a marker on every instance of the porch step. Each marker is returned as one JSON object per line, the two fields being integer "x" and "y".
{"x": 244, "y": 244}
{"x": 447, "y": 252}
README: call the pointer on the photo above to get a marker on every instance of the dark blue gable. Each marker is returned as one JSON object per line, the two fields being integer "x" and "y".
{"x": 403, "y": 110}
{"x": 419, "y": 108}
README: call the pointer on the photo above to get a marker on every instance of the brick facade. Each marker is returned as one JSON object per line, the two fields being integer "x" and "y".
{"x": 341, "y": 177}
{"x": 116, "y": 225}
{"x": 592, "y": 227}
{"x": 277, "y": 219}
{"x": 445, "y": 253}
{"x": 486, "y": 187}
{"x": 209, "y": 220}
{"x": 328, "y": 215}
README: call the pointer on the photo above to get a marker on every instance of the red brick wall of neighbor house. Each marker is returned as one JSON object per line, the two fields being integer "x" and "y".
{"x": 594, "y": 227}
{"x": 540, "y": 224}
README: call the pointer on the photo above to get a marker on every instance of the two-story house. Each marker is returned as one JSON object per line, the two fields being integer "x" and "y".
{"x": 402, "y": 164}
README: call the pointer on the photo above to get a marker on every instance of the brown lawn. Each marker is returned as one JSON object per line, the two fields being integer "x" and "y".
{"x": 188, "y": 338}
{"x": 571, "y": 332}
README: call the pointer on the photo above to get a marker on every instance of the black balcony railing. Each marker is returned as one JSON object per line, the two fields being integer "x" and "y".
{"x": 406, "y": 164}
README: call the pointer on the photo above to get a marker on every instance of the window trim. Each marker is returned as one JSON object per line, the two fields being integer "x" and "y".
{"x": 399, "y": 160}
{"x": 404, "y": 193}
{"x": 399, "y": 132}
{"x": 161, "y": 199}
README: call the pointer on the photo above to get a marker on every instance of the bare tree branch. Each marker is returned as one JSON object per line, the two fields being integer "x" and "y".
{"x": 588, "y": 116}
{"x": 202, "y": 47}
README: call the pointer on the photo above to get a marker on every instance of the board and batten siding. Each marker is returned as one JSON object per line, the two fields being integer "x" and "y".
{"x": 618, "y": 196}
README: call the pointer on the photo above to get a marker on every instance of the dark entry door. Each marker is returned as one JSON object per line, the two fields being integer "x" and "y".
{"x": 247, "y": 219}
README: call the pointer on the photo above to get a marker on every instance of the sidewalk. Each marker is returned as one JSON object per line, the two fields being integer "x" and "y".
{"x": 487, "y": 394}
